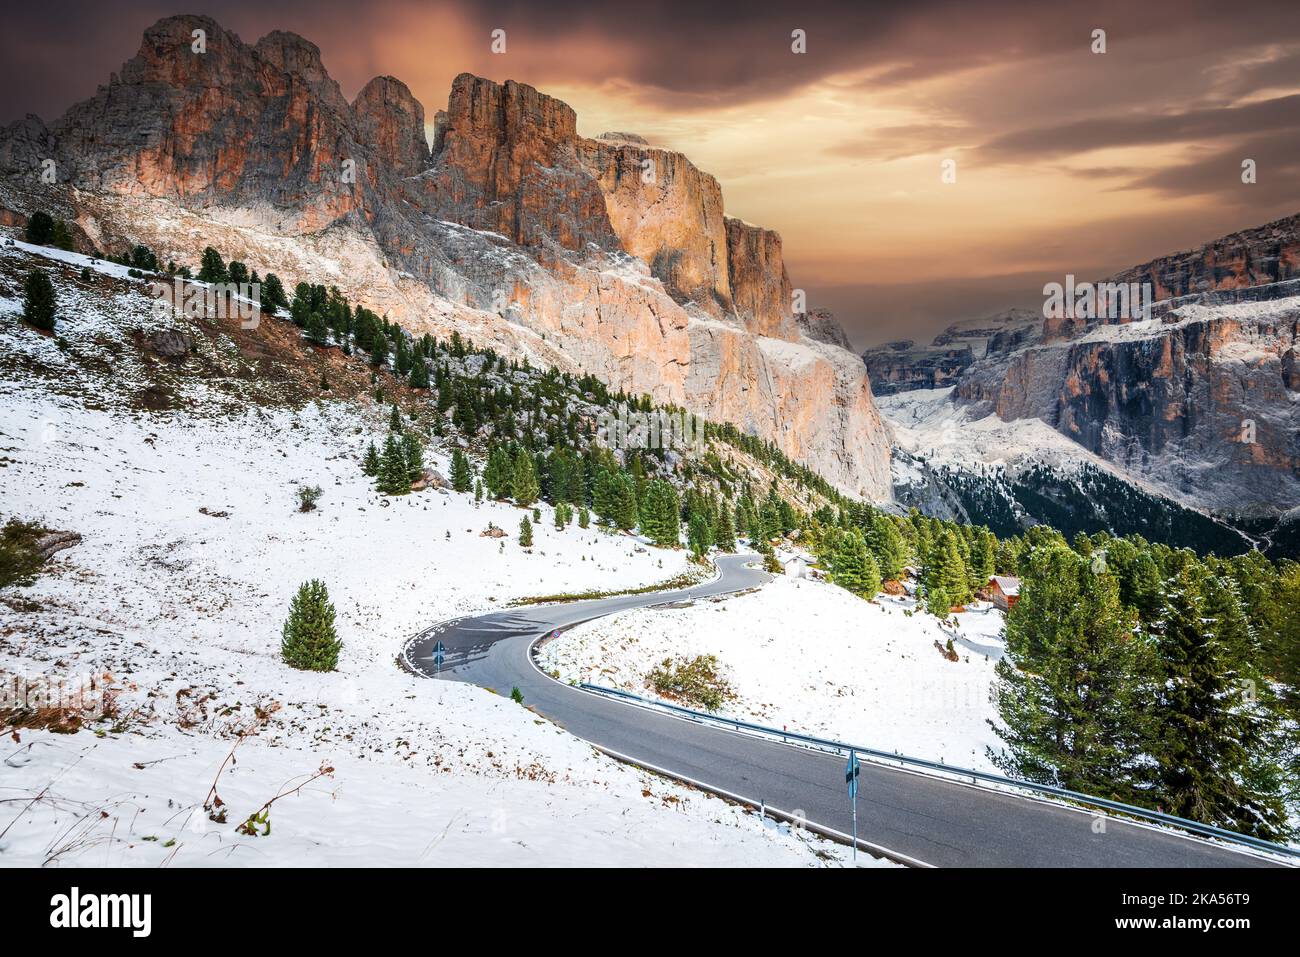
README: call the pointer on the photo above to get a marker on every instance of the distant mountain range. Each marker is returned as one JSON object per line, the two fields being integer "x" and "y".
{"x": 1200, "y": 403}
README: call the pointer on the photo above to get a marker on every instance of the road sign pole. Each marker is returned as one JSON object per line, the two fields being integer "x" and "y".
{"x": 853, "y": 756}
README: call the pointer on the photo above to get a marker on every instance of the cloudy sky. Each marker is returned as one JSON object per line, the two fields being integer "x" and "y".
{"x": 1066, "y": 160}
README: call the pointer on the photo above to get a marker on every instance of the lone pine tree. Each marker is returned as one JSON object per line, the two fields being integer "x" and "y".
{"x": 38, "y": 300}
{"x": 525, "y": 532}
{"x": 309, "y": 641}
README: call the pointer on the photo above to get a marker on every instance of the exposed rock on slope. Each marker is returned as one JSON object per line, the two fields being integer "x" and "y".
{"x": 1202, "y": 400}
{"x": 511, "y": 228}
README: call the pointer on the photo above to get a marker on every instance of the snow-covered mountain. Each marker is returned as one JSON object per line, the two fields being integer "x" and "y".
{"x": 605, "y": 256}
{"x": 175, "y": 447}
{"x": 1200, "y": 402}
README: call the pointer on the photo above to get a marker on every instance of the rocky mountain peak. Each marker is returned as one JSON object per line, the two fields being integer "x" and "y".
{"x": 391, "y": 120}
{"x": 513, "y": 229}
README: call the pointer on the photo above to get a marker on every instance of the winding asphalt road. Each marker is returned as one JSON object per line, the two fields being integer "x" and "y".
{"x": 927, "y": 819}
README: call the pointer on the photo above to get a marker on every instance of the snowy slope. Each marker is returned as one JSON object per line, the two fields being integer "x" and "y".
{"x": 840, "y": 667}
{"x": 192, "y": 548}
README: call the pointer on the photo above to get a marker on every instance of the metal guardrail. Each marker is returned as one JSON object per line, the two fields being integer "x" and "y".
{"x": 1158, "y": 817}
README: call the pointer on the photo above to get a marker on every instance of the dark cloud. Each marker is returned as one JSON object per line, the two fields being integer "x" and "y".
{"x": 1143, "y": 129}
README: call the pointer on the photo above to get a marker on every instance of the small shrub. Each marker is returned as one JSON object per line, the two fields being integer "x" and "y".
{"x": 695, "y": 681}
{"x": 516, "y": 695}
{"x": 308, "y": 496}
{"x": 19, "y": 558}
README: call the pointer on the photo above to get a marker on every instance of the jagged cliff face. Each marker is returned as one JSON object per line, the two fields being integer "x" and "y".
{"x": 1203, "y": 400}
{"x": 1252, "y": 257}
{"x": 511, "y": 228}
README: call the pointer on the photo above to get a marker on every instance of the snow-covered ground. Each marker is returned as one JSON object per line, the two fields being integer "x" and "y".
{"x": 808, "y": 656}
{"x": 192, "y": 549}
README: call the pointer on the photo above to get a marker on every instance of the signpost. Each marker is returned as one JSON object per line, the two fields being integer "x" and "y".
{"x": 851, "y": 772}
{"x": 439, "y": 653}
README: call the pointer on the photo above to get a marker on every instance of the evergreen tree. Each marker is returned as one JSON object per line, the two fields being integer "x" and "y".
{"x": 854, "y": 568}
{"x": 462, "y": 477}
{"x": 394, "y": 471}
{"x": 478, "y": 490}
{"x": 309, "y": 640}
{"x": 370, "y": 464}
{"x": 525, "y": 533}
{"x": 699, "y": 535}
{"x": 524, "y": 487}
{"x": 419, "y": 374}
{"x": 414, "y": 452}
{"x": 394, "y": 420}
{"x": 274, "y": 299}
{"x": 886, "y": 544}
{"x": 584, "y": 517}
{"x": 38, "y": 300}
{"x": 40, "y": 229}
{"x": 62, "y": 239}
{"x": 945, "y": 575}
{"x": 212, "y": 268}
{"x": 725, "y": 529}
{"x": 1211, "y": 729}
{"x": 317, "y": 332}
{"x": 659, "y": 518}
{"x": 623, "y": 507}
{"x": 499, "y": 474}
{"x": 1072, "y": 690}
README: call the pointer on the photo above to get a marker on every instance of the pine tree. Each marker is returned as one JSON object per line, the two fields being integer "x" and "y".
{"x": 394, "y": 420}
{"x": 478, "y": 490}
{"x": 659, "y": 519}
{"x": 394, "y": 471}
{"x": 524, "y": 487}
{"x": 413, "y": 450}
{"x": 498, "y": 475}
{"x": 945, "y": 575}
{"x": 461, "y": 475}
{"x": 584, "y": 518}
{"x": 62, "y": 239}
{"x": 317, "y": 332}
{"x": 38, "y": 300}
{"x": 40, "y": 229}
{"x": 419, "y": 374}
{"x": 370, "y": 464}
{"x": 212, "y": 268}
{"x": 273, "y": 296}
{"x": 309, "y": 641}
{"x": 525, "y": 533}
{"x": 854, "y": 568}
{"x": 886, "y": 544}
{"x": 623, "y": 506}
{"x": 699, "y": 535}
{"x": 1211, "y": 730}
{"x": 724, "y": 529}
{"x": 1073, "y": 688}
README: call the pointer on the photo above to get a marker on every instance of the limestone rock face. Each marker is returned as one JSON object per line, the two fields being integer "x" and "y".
{"x": 505, "y": 160}
{"x": 821, "y": 325}
{"x": 509, "y": 228}
{"x": 391, "y": 121}
{"x": 666, "y": 213}
{"x": 1252, "y": 257}
{"x": 759, "y": 283}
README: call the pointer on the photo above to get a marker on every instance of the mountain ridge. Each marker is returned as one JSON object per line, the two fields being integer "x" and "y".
{"x": 508, "y": 227}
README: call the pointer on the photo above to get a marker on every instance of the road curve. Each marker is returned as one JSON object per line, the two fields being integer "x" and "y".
{"x": 929, "y": 819}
